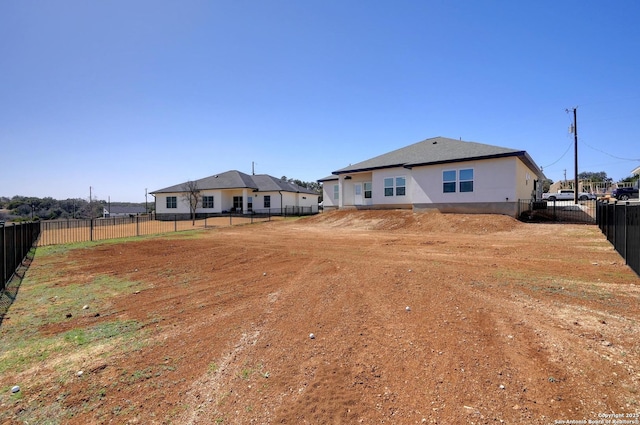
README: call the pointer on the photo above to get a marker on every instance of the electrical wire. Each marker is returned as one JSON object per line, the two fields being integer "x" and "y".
{"x": 608, "y": 154}
{"x": 558, "y": 160}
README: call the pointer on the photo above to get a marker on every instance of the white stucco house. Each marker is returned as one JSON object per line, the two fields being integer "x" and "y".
{"x": 234, "y": 191}
{"x": 439, "y": 173}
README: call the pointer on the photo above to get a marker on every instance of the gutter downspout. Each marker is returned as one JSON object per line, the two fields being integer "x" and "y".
{"x": 281, "y": 206}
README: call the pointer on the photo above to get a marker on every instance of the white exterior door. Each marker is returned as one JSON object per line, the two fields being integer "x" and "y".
{"x": 357, "y": 194}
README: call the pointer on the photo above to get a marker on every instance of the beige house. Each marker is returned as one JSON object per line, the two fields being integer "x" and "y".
{"x": 439, "y": 173}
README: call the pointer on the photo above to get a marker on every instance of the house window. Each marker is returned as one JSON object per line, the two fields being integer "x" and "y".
{"x": 466, "y": 180}
{"x": 267, "y": 201}
{"x": 207, "y": 202}
{"x": 172, "y": 202}
{"x": 336, "y": 192}
{"x": 397, "y": 185}
{"x": 401, "y": 186}
{"x": 449, "y": 181}
{"x": 388, "y": 186}
{"x": 367, "y": 190}
{"x": 463, "y": 179}
{"x": 237, "y": 203}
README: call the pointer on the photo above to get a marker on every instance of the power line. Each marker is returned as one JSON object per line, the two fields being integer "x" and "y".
{"x": 558, "y": 160}
{"x": 612, "y": 156}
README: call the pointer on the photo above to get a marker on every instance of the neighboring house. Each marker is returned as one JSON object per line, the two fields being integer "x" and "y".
{"x": 234, "y": 191}
{"x": 439, "y": 173}
{"x": 122, "y": 211}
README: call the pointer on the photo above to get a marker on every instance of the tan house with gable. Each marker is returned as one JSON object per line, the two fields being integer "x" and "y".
{"x": 445, "y": 174}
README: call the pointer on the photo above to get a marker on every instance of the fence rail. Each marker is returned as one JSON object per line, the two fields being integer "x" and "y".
{"x": 16, "y": 239}
{"x": 557, "y": 211}
{"x": 620, "y": 223}
{"x": 68, "y": 231}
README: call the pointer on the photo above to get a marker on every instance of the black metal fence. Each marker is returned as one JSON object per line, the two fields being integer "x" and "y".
{"x": 620, "y": 223}
{"x": 557, "y": 211}
{"x": 56, "y": 232}
{"x": 16, "y": 240}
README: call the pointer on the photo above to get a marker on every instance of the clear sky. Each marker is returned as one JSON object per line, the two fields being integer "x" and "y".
{"x": 123, "y": 96}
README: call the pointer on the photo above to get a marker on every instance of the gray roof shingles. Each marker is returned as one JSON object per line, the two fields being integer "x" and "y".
{"x": 436, "y": 150}
{"x": 237, "y": 180}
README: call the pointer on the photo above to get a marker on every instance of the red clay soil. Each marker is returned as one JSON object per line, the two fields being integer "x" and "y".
{"x": 417, "y": 318}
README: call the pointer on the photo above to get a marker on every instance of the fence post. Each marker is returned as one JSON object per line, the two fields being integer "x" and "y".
{"x": 91, "y": 230}
{"x": 3, "y": 266}
{"x": 137, "y": 226}
{"x": 175, "y": 222}
{"x": 615, "y": 224}
{"x": 626, "y": 232}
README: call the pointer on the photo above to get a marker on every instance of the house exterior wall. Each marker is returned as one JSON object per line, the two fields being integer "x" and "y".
{"x": 161, "y": 204}
{"x": 498, "y": 184}
{"x": 525, "y": 178}
{"x": 223, "y": 202}
{"x": 327, "y": 194}
{"x": 493, "y": 181}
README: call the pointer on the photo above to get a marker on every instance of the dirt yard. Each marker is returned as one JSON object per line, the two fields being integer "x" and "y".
{"x": 416, "y": 318}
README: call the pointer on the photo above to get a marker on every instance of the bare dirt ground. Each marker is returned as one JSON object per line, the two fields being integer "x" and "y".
{"x": 417, "y": 318}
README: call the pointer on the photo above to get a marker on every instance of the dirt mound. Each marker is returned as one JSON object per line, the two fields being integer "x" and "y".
{"x": 406, "y": 220}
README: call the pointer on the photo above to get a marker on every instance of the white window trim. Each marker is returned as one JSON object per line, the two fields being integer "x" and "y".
{"x": 457, "y": 180}
{"x": 394, "y": 187}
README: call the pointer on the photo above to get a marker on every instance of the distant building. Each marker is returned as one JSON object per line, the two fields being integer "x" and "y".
{"x": 234, "y": 191}
{"x": 122, "y": 211}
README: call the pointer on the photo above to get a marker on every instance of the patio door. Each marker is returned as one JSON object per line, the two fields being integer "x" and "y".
{"x": 357, "y": 194}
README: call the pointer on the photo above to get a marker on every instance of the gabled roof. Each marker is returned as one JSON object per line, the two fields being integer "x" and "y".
{"x": 437, "y": 150}
{"x": 237, "y": 180}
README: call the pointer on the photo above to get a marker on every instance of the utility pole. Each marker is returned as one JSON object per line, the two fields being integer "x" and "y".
{"x": 575, "y": 158}
{"x": 146, "y": 208}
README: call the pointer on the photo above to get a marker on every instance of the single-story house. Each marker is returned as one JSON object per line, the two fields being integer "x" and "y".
{"x": 439, "y": 173}
{"x": 234, "y": 191}
{"x": 122, "y": 210}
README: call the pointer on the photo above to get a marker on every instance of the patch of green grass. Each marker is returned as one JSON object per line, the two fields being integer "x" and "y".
{"x": 246, "y": 373}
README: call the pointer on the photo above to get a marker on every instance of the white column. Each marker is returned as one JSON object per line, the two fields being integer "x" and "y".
{"x": 340, "y": 191}
{"x": 245, "y": 201}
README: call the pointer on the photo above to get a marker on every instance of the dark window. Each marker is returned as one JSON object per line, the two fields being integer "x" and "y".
{"x": 367, "y": 190}
{"x": 172, "y": 202}
{"x": 449, "y": 181}
{"x": 207, "y": 202}
{"x": 388, "y": 186}
{"x": 267, "y": 201}
{"x": 466, "y": 180}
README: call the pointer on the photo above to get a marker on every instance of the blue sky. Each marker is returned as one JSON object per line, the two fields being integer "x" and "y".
{"x": 123, "y": 96}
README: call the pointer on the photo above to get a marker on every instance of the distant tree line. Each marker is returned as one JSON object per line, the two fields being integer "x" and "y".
{"x": 314, "y": 186}
{"x": 23, "y": 208}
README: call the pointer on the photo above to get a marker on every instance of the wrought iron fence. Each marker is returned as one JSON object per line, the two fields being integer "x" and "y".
{"x": 557, "y": 211}
{"x": 56, "y": 232}
{"x": 620, "y": 223}
{"x": 16, "y": 240}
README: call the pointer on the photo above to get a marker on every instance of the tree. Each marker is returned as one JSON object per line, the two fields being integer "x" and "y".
{"x": 191, "y": 194}
{"x": 546, "y": 185}
{"x": 599, "y": 176}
